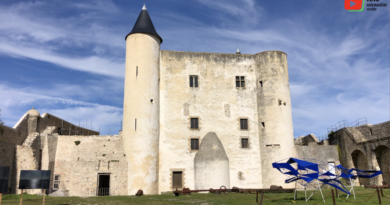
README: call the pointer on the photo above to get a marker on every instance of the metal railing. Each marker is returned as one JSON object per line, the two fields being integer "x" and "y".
{"x": 98, "y": 192}
{"x": 343, "y": 124}
{"x": 340, "y": 125}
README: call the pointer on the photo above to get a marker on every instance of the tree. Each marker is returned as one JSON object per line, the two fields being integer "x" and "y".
{"x": 1, "y": 125}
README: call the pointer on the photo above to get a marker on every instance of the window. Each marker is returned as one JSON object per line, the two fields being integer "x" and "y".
{"x": 194, "y": 123}
{"x": 263, "y": 123}
{"x": 56, "y": 184}
{"x": 244, "y": 124}
{"x": 194, "y": 144}
{"x": 59, "y": 130}
{"x": 193, "y": 81}
{"x": 244, "y": 143}
{"x": 177, "y": 180}
{"x": 135, "y": 124}
{"x": 280, "y": 102}
{"x": 261, "y": 83}
{"x": 240, "y": 81}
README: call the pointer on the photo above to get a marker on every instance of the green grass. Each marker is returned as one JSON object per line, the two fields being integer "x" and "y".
{"x": 203, "y": 199}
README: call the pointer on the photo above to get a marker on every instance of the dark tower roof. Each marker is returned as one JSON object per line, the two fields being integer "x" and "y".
{"x": 144, "y": 25}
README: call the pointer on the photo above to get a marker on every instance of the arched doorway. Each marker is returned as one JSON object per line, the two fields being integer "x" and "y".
{"x": 382, "y": 154}
{"x": 360, "y": 162}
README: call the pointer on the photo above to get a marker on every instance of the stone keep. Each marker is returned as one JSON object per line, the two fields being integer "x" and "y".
{"x": 159, "y": 103}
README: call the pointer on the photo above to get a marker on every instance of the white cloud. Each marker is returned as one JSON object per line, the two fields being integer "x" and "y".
{"x": 19, "y": 101}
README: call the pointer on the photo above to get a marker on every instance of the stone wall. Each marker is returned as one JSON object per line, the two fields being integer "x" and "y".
{"x": 365, "y": 147}
{"x": 318, "y": 152}
{"x": 9, "y": 139}
{"x": 26, "y": 135}
{"x": 79, "y": 165}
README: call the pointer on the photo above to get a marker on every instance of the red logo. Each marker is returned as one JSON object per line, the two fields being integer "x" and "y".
{"x": 353, "y": 4}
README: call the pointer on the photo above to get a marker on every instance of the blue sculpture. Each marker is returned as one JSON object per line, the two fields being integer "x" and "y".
{"x": 310, "y": 172}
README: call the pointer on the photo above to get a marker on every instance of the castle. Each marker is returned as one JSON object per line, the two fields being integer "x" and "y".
{"x": 190, "y": 119}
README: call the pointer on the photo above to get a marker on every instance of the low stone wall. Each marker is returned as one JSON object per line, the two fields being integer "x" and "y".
{"x": 319, "y": 152}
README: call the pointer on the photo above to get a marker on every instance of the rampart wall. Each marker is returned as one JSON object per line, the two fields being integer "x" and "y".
{"x": 365, "y": 147}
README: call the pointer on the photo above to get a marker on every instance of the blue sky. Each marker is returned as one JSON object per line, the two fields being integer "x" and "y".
{"x": 67, "y": 57}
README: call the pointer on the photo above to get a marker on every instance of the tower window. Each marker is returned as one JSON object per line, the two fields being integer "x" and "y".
{"x": 244, "y": 143}
{"x": 193, "y": 81}
{"x": 261, "y": 83}
{"x": 280, "y": 102}
{"x": 56, "y": 184}
{"x": 135, "y": 124}
{"x": 194, "y": 144}
{"x": 194, "y": 123}
{"x": 240, "y": 81}
{"x": 243, "y": 124}
{"x": 263, "y": 123}
{"x": 136, "y": 72}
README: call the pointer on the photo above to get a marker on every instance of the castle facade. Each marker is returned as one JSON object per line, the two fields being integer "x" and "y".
{"x": 190, "y": 119}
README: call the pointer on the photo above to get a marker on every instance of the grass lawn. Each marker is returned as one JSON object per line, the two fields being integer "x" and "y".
{"x": 204, "y": 199}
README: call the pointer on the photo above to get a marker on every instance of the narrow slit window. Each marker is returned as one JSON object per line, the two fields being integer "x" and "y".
{"x": 244, "y": 143}
{"x": 136, "y": 72}
{"x": 240, "y": 81}
{"x": 277, "y": 145}
{"x": 263, "y": 123}
{"x": 243, "y": 124}
{"x": 284, "y": 103}
{"x": 268, "y": 145}
{"x": 193, "y": 81}
{"x": 194, "y": 144}
{"x": 280, "y": 102}
{"x": 135, "y": 124}
{"x": 194, "y": 123}
{"x": 261, "y": 83}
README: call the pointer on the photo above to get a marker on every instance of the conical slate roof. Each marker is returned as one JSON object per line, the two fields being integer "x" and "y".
{"x": 144, "y": 25}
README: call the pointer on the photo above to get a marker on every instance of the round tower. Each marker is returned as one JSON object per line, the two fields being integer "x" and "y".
{"x": 141, "y": 105}
{"x": 32, "y": 122}
{"x": 274, "y": 114}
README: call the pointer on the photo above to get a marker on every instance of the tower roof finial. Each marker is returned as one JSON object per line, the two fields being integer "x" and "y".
{"x": 238, "y": 51}
{"x": 144, "y": 8}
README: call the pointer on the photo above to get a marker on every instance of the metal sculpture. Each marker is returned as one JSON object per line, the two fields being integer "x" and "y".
{"x": 312, "y": 173}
